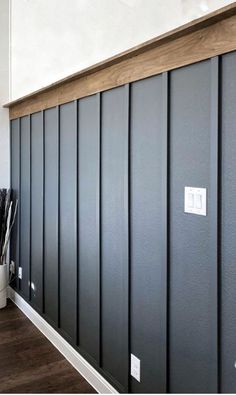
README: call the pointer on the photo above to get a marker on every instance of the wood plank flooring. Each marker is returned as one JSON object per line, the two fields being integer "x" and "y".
{"x": 29, "y": 363}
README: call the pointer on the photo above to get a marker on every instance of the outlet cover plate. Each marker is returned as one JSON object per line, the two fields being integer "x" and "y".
{"x": 20, "y": 273}
{"x": 135, "y": 367}
{"x": 195, "y": 201}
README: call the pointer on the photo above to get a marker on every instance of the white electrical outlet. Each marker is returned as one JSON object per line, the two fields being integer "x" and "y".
{"x": 20, "y": 273}
{"x": 135, "y": 367}
{"x": 12, "y": 267}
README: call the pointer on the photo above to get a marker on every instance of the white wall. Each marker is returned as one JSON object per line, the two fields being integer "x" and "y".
{"x": 4, "y": 94}
{"x": 51, "y": 39}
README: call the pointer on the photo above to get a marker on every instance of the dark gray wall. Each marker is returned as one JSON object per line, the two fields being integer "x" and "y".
{"x": 148, "y": 270}
{"x": 228, "y": 218}
{"x": 193, "y": 325}
{"x": 112, "y": 260}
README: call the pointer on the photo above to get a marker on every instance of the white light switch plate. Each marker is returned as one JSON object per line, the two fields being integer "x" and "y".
{"x": 135, "y": 367}
{"x": 195, "y": 200}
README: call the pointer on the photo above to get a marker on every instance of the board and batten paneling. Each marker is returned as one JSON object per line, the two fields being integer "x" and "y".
{"x": 25, "y": 187}
{"x": 122, "y": 268}
{"x": 148, "y": 268}
{"x": 68, "y": 220}
{"x": 15, "y": 185}
{"x": 228, "y": 218}
{"x": 36, "y": 248}
{"x": 114, "y": 233}
{"x": 89, "y": 225}
{"x": 51, "y": 199}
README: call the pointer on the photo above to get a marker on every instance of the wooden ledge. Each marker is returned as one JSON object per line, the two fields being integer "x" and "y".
{"x": 208, "y": 36}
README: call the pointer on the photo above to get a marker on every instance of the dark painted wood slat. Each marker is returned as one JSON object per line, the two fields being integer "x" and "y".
{"x": 88, "y": 232}
{"x": 25, "y": 205}
{"x": 51, "y": 215}
{"x": 114, "y": 228}
{"x": 37, "y": 210}
{"x": 165, "y": 216}
{"x": 68, "y": 220}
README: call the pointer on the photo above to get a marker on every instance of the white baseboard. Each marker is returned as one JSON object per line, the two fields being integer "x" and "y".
{"x": 77, "y": 361}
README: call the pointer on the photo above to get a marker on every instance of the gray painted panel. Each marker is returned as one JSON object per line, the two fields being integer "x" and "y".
{"x": 228, "y": 245}
{"x": 37, "y": 210}
{"x": 193, "y": 327}
{"x": 192, "y": 308}
{"x": 148, "y": 270}
{"x": 89, "y": 290}
{"x": 68, "y": 219}
{"x": 51, "y": 215}
{"x": 114, "y": 227}
{"x": 25, "y": 205}
{"x": 15, "y": 186}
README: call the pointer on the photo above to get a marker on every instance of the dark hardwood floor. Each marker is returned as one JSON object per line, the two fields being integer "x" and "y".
{"x": 29, "y": 363}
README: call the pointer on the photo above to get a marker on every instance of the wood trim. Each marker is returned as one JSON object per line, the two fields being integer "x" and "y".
{"x": 201, "y": 39}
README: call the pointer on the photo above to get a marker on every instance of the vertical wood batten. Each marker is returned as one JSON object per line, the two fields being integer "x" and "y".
{"x": 30, "y": 209}
{"x": 76, "y": 102}
{"x": 14, "y": 284}
{"x": 98, "y": 220}
{"x": 19, "y": 205}
{"x": 59, "y": 226}
{"x": 19, "y": 209}
{"x": 214, "y": 206}
{"x": 164, "y": 213}
{"x": 77, "y": 219}
{"x": 43, "y": 225}
{"x": 127, "y": 236}
{"x": 11, "y": 156}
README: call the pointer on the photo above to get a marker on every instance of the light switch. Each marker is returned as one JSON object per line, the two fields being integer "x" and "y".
{"x": 198, "y": 201}
{"x": 195, "y": 200}
{"x": 191, "y": 200}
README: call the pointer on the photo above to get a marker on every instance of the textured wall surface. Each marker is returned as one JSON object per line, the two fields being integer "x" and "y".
{"x": 4, "y": 94}
{"x": 52, "y": 39}
{"x": 109, "y": 256}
